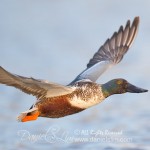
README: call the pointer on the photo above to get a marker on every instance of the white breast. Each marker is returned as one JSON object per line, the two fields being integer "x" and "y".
{"x": 87, "y": 102}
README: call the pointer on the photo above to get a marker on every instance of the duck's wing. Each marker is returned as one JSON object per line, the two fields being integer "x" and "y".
{"x": 111, "y": 52}
{"x": 39, "y": 88}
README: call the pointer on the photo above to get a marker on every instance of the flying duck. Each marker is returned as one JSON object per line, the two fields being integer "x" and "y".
{"x": 55, "y": 100}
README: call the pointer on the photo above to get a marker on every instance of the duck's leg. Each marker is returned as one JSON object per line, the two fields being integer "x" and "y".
{"x": 28, "y": 115}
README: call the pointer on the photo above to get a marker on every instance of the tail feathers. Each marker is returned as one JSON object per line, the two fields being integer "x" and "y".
{"x": 29, "y": 115}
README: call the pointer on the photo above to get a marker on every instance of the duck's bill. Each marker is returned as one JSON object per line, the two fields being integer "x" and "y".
{"x": 133, "y": 89}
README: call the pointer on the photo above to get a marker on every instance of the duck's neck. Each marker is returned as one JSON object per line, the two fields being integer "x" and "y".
{"x": 110, "y": 88}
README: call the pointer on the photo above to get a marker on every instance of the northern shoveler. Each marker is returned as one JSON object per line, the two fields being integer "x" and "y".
{"x": 55, "y": 100}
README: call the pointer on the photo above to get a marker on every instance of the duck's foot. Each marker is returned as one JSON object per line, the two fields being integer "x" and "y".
{"x": 30, "y": 115}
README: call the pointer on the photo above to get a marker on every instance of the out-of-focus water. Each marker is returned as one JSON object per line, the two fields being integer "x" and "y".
{"x": 54, "y": 40}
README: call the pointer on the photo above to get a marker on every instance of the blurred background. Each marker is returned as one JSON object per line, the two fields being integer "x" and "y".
{"x": 54, "y": 40}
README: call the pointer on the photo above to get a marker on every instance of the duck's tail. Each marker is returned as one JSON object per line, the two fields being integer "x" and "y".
{"x": 28, "y": 115}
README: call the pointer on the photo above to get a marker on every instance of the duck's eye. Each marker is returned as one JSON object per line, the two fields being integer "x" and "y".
{"x": 119, "y": 82}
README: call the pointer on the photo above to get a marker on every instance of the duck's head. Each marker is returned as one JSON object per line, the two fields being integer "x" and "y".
{"x": 119, "y": 86}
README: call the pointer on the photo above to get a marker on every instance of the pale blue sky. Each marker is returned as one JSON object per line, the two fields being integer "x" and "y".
{"x": 54, "y": 40}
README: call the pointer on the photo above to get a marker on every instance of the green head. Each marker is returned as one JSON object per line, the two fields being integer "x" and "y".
{"x": 119, "y": 86}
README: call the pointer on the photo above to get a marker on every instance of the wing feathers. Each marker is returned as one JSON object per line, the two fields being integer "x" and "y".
{"x": 115, "y": 47}
{"x": 13, "y": 80}
{"x": 38, "y": 88}
{"x": 112, "y": 51}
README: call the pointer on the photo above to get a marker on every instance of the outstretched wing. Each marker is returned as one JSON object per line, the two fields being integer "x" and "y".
{"x": 111, "y": 52}
{"x": 39, "y": 88}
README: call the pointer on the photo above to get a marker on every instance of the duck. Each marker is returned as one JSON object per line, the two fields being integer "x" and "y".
{"x": 55, "y": 100}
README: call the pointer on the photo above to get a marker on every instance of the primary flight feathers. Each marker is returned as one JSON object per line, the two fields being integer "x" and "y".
{"x": 111, "y": 52}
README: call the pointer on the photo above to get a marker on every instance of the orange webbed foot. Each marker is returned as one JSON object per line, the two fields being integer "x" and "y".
{"x": 31, "y": 117}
